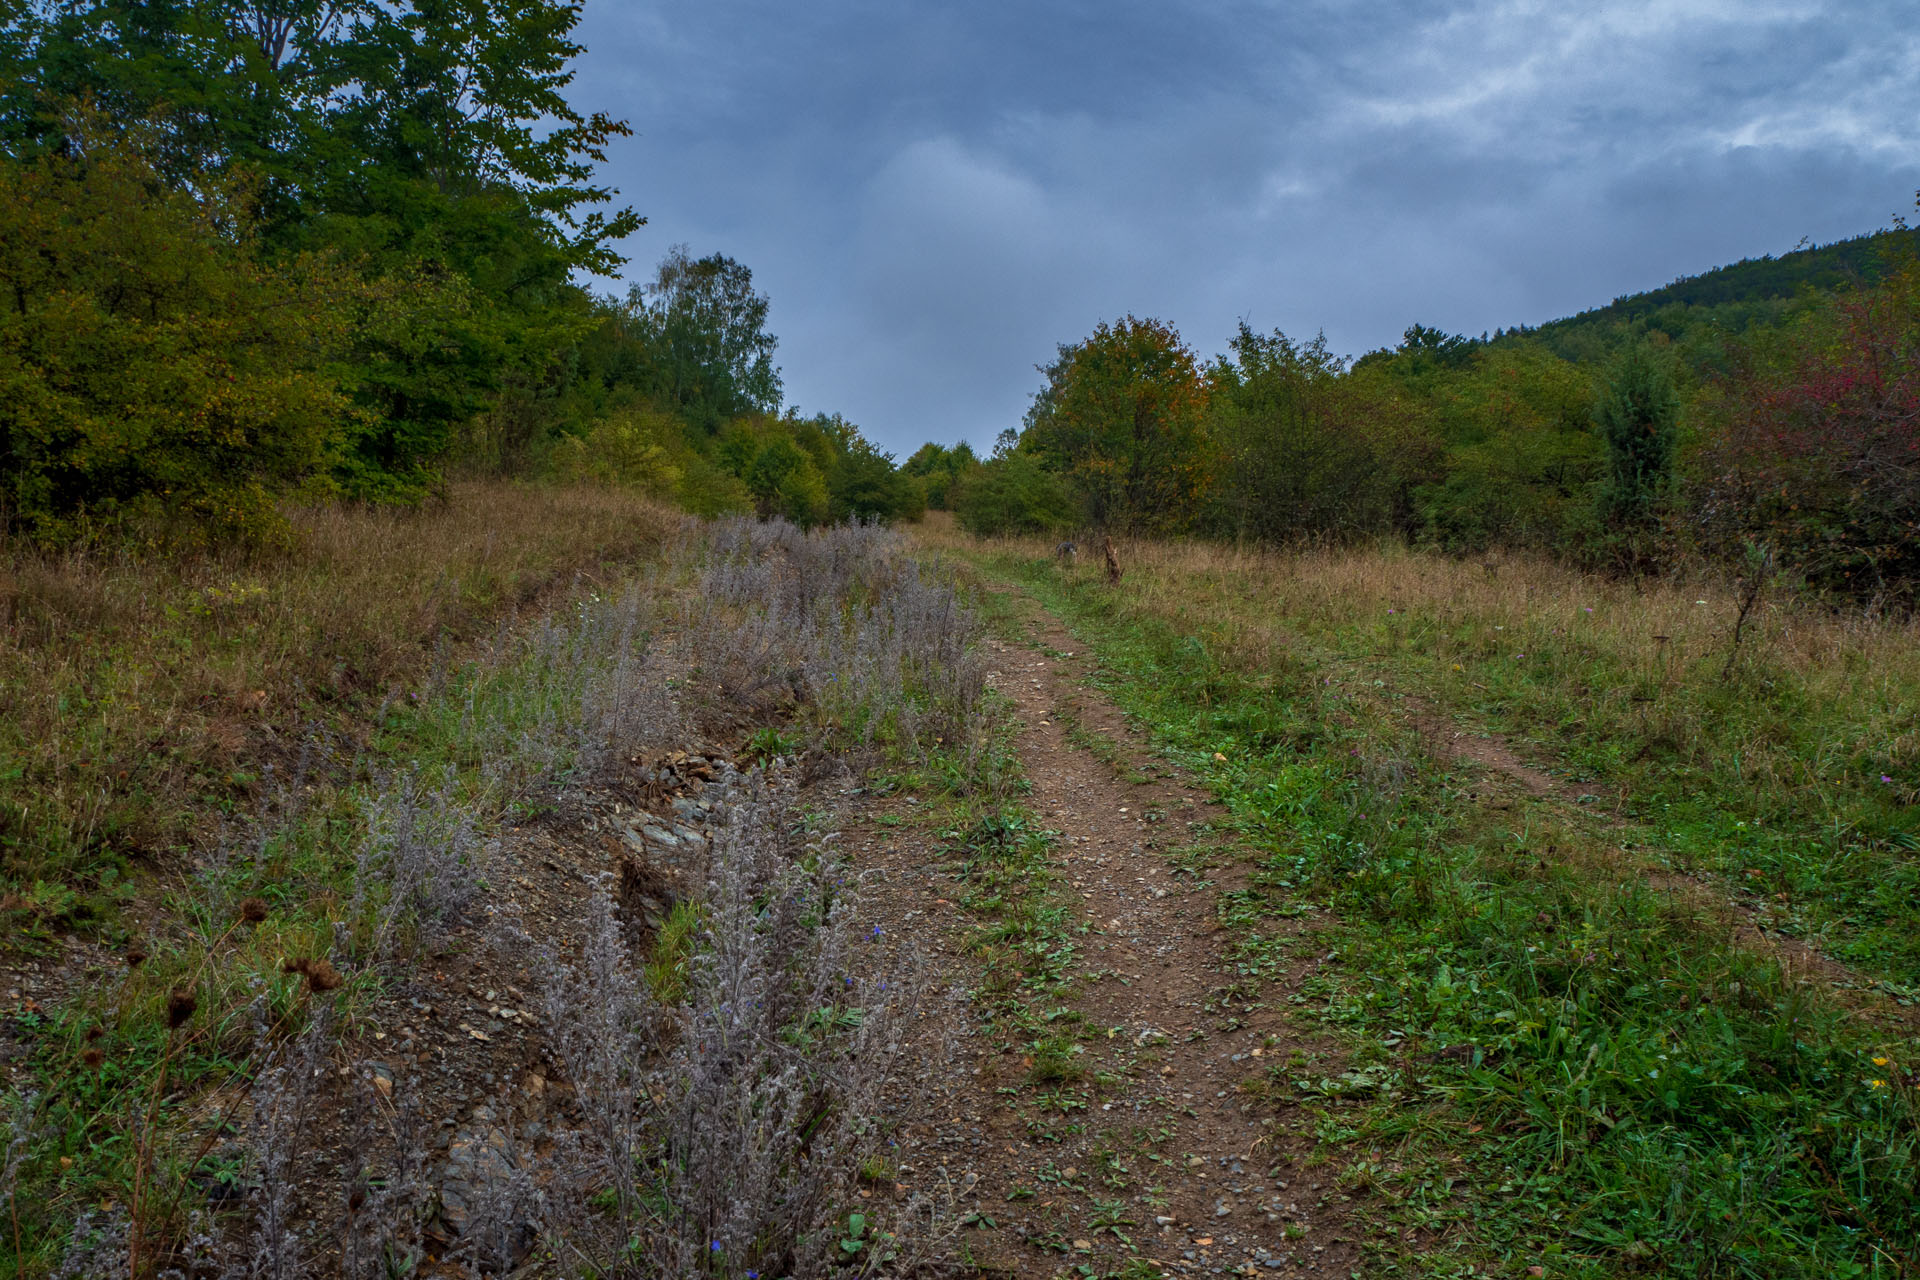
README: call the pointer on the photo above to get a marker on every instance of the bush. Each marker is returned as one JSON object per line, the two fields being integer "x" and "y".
{"x": 626, "y": 449}
{"x": 1013, "y": 495}
{"x": 1303, "y": 450}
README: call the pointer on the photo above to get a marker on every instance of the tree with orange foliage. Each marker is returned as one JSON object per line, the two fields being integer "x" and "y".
{"x": 1122, "y": 419}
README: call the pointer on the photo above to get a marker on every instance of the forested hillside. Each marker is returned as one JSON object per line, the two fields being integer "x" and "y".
{"x": 1753, "y": 292}
{"x": 251, "y": 252}
{"x": 1764, "y": 418}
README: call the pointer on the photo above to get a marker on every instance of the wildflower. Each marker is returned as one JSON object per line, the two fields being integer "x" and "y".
{"x": 1878, "y": 1084}
{"x": 1880, "y": 1062}
{"x": 1586, "y": 608}
{"x": 1885, "y": 778}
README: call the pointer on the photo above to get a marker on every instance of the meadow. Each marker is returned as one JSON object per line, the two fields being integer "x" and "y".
{"x": 1621, "y": 915}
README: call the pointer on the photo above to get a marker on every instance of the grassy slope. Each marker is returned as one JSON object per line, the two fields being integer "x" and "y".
{"x": 1559, "y": 1065}
{"x": 141, "y": 699}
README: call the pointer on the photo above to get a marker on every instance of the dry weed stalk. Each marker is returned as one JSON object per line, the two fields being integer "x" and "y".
{"x": 732, "y": 1129}
{"x": 845, "y": 621}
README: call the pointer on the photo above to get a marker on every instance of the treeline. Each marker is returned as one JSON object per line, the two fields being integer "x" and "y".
{"x": 1770, "y": 435}
{"x": 257, "y": 251}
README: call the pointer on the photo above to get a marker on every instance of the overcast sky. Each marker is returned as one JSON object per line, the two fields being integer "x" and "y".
{"x": 934, "y": 196}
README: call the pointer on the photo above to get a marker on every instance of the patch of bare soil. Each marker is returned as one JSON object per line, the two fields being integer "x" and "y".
{"x": 1154, "y": 1143}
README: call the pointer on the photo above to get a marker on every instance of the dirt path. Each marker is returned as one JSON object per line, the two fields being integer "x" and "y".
{"x": 1151, "y": 1145}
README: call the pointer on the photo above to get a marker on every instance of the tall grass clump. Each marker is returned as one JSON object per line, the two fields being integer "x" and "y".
{"x": 143, "y": 696}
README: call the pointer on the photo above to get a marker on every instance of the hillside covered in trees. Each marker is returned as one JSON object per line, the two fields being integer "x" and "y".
{"x": 1764, "y": 417}
{"x": 252, "y": 252}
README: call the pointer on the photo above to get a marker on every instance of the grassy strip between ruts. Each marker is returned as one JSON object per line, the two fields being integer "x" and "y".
{"x": 1562, "y": 1068}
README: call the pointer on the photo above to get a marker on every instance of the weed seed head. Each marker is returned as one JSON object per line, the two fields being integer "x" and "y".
{"x": 320, "y": 974}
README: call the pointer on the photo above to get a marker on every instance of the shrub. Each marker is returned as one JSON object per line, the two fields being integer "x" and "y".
{"x": 1302, "y": 449}
{"x": 627, "y": 449}
{"x": 1013, "y": 495}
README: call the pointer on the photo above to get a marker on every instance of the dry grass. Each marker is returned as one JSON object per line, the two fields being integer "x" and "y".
{"x": 138, "y": 697}
{"x": 1649, "y": 652}
{"x": 1249, "y": 591}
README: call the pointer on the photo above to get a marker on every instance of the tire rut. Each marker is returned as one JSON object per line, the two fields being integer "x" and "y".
{"x": 1171, "y": 1152}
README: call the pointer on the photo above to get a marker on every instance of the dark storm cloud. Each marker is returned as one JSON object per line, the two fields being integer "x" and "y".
{"x": 935, "y": 196}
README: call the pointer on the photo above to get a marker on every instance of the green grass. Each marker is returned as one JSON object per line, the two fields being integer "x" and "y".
{"x": 1560, "y": 1066}
{"x": 1792, "y": 795}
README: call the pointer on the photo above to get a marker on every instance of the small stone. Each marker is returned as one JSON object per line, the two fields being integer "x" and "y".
{"x": 383, "y": 1085}
{"x": 1084, "y": 1246}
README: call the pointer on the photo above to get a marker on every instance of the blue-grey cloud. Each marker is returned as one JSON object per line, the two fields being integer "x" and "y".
{"x": 935, "y": 196}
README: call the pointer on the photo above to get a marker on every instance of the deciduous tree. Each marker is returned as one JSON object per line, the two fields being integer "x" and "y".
{"x": 1122, "y": 420}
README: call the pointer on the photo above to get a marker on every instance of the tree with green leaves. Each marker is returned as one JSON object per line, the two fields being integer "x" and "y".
{"x": 704, "y": 330}
{"x": 428, "y": 141}
{"x": 154, "y": 371}
{"x": 1637, "y": 415}
{"x": 939, "y": 469}
{"x": 1121, "y": 419}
